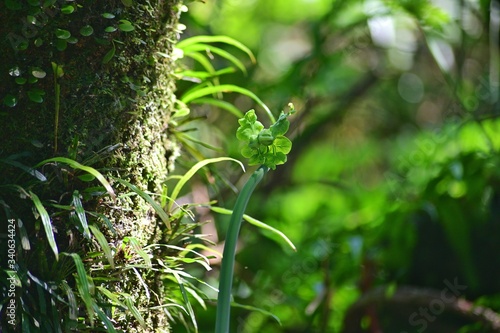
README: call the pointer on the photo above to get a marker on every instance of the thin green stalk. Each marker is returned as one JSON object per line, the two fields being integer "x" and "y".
{"x": 226, "y": 274}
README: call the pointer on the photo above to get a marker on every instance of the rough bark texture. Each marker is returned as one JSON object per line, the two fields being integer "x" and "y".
{"x": 122, "y": 102}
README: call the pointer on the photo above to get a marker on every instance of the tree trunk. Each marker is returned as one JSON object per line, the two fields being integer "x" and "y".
{"x": 81, "y": 76}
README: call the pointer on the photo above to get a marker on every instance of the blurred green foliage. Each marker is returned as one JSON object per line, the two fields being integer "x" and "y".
{"x": 393, "y": 177}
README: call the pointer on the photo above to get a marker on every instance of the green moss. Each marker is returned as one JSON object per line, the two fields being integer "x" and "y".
{"x": 126, "y": 101}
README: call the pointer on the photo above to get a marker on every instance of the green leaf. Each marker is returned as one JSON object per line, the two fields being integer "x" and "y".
{"x": 20, "y": 80}
{"x": 67, "y": 9}
{"x": 282, "y": 144}
{"x": 83, "y": 285}
{"x": 257, "y": 223}
{"x": 72, "y": 40}
{"x": 47, "y": 226}
{"x": 86, "y": 30}
{"x": 220, "y": 104}
{"x": 126, "y": 26}
{"x": 135, "y": 312}
{"x": 103, "y": 242}
{"x": 216, "y": 39}
{"x": 108, "y": 15}
{"x": 127, "y": 3}
{"x": 73, "y": 309}
{"x": 62, "y": 34}
{"x": 249, "y": 128}
{"x": 38, "y": 42}
{"x": 280, "y": 127}
{"x": 57, "y": 69}
{"x": 76, "y": 165}
{"x": 10, "y": 100}
{"x": 38, "y": 73}
{"x": 185, "y": 297}
{"x": 110, "y": 29}
{"x": 192, "y": 95}
{"x": 80, "y": 213}
{"x": 35, "y": 96}
{"x": 35, "y": 173}
{"x": 109, "y": 55}
{"x": 216, "y": 50}
{"x": 158, "y": 209}
{"x": 187, "y": 176}
{"x": 134, "y": 243}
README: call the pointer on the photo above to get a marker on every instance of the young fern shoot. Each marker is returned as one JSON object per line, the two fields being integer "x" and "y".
{"x": 267, "y": 147}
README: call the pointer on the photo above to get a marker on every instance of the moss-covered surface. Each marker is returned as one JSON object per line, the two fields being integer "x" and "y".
{"x": 125, "y": 102}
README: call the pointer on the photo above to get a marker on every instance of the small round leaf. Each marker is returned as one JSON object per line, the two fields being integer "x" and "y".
{"x": 86, "y": 30}
{"x": 125, "y": 26}
{"x": 63, "y": 34}
{"x": 38, "y": 73}
{"x": 10, "y": 100}
{"x": 108, "y": 15}
{"x": 20, "y": 80}
{"x": 35, "y": 96}
{"x": 110, "y": 29}
{"x": 68, "y": 9}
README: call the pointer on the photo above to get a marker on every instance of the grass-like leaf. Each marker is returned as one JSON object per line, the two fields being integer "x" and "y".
{"x": 92, "y": 171}
{"x": 185, "y": 297}
{"x": 83, "y": 285}
{"x": 189, "y": 75}
{"x": 135, "y": 312}
{"x": 47, "y": 225}
{"x": 205, "y": 91}
{"x": 220, "y": 104}
{"x": 203, "y": 61}
{"x": 184, "y": 44}
{"x": 187, "y": 176}
{"x": 35, "y": 173}
{"x": 73, "y": 309}
{"x": 256, "y": 223}
{"x": 103, "y": 242}
{"x": 216, "y": 50}
{"x": 80, "y": 213}
{"x": 157, "y": 208}
{"x": 105, "y": 219}
{"x": 137, "y": 248}
{"x": 109, "y": 325}
{"x": 23, "y": 234}
{"x": 112, "y": 297}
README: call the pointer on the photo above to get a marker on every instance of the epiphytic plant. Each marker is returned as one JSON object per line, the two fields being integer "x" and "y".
{"x": 267, "y": 147}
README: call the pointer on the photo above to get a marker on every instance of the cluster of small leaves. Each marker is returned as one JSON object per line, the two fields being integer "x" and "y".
{"x": 266, "y": 146}
{"x": 39, "y": 15}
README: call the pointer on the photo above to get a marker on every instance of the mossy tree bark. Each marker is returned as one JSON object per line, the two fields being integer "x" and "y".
{"x": 80, "y": 76}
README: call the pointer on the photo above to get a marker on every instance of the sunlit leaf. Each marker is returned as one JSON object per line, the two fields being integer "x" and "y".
{"x": 90, "y": 170}
{"x": 47, "y": 225}
{"x": 103, "y": 242}
{"x": 191, "y": 172}
{"x": 190, "y": 96}
{"x": 258, "y": 224}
